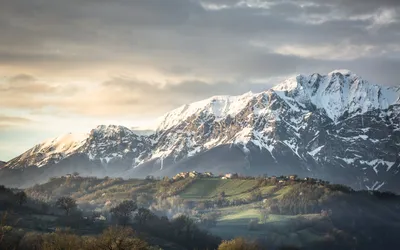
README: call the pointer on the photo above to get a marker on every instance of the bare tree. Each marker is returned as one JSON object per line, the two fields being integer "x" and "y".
{"x": 66, "y": 203}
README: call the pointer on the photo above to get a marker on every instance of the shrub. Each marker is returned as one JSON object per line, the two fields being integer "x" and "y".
{"x": 117, "y": 238}
{"x": 238, "y": 244}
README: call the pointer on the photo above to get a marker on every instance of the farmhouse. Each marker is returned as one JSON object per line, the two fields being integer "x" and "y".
{"x": 208, "y": 174}
{"x": 181, "y": 175}
{"x": 229, "y": 176}
{"x": 194, "y": 174}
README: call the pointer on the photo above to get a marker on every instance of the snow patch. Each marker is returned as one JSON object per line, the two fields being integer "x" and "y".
{"x": 218, "y": 106}
{"x": 376, "y": 186}
{"x": 316, "y": 151}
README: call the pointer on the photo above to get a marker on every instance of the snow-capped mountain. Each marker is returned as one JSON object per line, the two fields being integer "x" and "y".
{"x": 339, "y": 92}
{"x": 337, "y": 127}
{"x": 103, "y": 145}
{"x": 49, "y": 152}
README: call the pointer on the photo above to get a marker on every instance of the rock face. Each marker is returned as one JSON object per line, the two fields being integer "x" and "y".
{"x": 2, "y": 164}
{"x": 337, "y": 127}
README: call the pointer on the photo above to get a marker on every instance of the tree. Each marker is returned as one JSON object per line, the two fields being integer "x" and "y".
{"x": 61, "y": 239}
{"x": 143, "y": 216}
{"x": 66, "y": 203}
{"x": 123, "y": 211}
{"x": 21, "y": 198}
{"x": 183, "y": 225}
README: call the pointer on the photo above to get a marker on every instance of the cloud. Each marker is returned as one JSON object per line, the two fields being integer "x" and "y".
{"x": 186, "y": 38}
{"x": 25, "y": 91}
{"x": 383, "y": 17}
{"x": 361, "y": 6}
{"x": 171, "y": 53}
{"x": 85, "y": 62}
{"x": 25, "y": 84}
{"x": 119, "y": 96}
{"x": 112, "y": 98}
{"x": 12, "y": 121}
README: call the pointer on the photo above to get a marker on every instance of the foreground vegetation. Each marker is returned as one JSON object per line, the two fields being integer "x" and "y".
{"x": 196, "y": 213}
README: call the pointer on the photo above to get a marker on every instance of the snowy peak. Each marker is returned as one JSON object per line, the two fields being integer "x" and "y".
{"x": 63, "y": 144}
{"x": 337, "y": 93}
{"x": 218, "y": 106}
{"x": 111, "y": 131}
{"x": 103, "y": 142}
{"x": 50, "y": 151}
{"x": 113, "y": 142}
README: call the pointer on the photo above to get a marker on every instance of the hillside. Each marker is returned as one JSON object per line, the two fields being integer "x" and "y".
{"x": 205, "y": 189}
{"x": 337, "y": 127}
{"x": 276, "y": 211}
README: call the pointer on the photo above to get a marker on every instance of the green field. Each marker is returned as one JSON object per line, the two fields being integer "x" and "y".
{"x": 209, "y": 188}
{"x": 281, "y": 229}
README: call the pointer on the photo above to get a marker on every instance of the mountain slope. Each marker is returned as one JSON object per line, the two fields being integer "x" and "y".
{"x": 338, "y": 127}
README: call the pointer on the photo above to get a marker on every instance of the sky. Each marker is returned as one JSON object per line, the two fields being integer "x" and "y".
{"x": 68, "y": 66}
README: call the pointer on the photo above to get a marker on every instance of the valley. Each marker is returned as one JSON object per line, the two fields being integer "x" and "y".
{"x": 272, "y": 211}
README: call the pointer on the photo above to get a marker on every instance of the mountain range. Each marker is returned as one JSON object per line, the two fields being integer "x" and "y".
{"x": 337, "y": 127}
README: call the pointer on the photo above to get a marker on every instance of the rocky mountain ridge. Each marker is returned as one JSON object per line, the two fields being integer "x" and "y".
{"x": 337, "y": 127}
